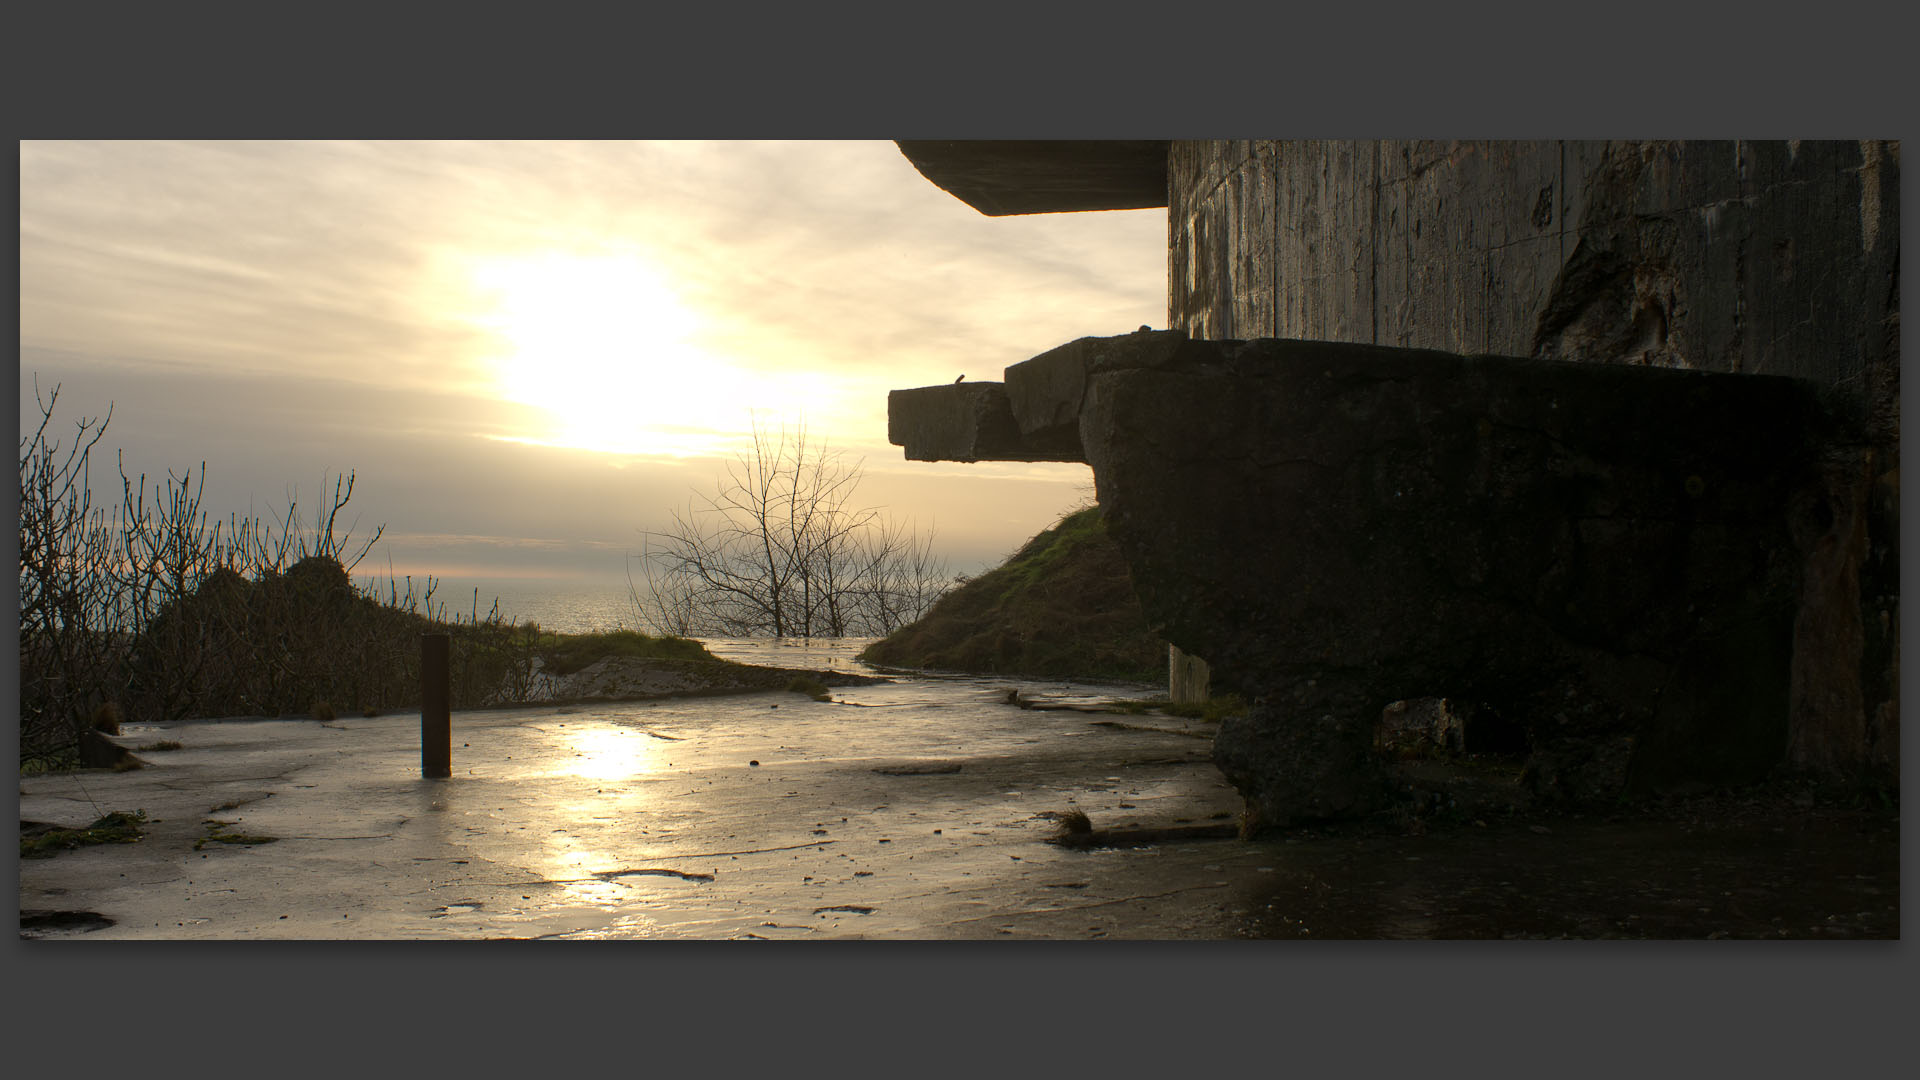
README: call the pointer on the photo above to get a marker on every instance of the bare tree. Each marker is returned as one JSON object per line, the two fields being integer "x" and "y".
{"x": 74, "y": 621}
{"x": 780, "y": 549}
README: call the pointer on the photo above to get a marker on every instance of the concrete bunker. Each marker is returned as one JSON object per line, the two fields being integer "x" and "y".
{"x": 1528, "y": 540}
{"x": 1630, "y": 545}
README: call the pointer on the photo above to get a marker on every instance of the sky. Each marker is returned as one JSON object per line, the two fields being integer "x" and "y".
{"x": 528, "y": 353}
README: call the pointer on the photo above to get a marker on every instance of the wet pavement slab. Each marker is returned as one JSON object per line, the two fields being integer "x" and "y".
{"x": 917, "y": 809}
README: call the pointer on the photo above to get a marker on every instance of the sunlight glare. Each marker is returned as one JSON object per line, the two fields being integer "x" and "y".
{"x": 609, "y": 754}
{"x": 603, "y": 344}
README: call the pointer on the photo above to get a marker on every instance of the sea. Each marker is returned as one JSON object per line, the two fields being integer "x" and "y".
{"x": 580, "y": 609}
{"x": 588, "y": 610}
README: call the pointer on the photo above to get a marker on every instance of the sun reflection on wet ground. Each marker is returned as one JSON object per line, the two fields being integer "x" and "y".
{"x": 917, "y": 809}
{"x": 603, "y": 753}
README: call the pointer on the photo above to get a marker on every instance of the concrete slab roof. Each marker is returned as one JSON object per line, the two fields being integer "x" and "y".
{"x": 1038, "y": 176}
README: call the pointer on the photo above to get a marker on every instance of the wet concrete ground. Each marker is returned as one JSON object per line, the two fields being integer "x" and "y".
{"x": 914, "y": 810}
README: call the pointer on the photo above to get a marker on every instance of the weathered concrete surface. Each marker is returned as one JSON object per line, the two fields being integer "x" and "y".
{"x": 1769, "y": 257}
{"x": 1039, "y": 176}
{"x": 1773, "y": 257}
{"x": 1609, "y": 559}
{"x": 589, "y": 824}
{"x": 1602, "y": 555}
{"x": 902, "y": 810}
{"x": 970, "y": 421}
{"x": 1033, "y": 416}
{"x": 649, "y": 820}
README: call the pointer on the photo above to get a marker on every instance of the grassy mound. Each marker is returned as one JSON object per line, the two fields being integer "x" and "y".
{"x": 564, "y": 654}
{"x": 1061, "y": 607}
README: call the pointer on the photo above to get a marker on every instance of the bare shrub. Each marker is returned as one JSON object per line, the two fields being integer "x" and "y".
{"x": 154, "y": 612}
{"x": 779, "y": 548}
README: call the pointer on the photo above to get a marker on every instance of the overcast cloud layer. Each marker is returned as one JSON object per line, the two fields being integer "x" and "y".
{"x": 288, "y": 311}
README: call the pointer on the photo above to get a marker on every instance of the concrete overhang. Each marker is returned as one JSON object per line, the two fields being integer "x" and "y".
{"x": 1038, "y": 176}
{"x": 1033, "y": 416}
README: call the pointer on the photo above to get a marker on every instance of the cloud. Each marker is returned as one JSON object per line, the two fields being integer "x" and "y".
{"x": 291, "y": 311}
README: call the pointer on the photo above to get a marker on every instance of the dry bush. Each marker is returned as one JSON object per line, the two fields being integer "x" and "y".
{"x": 153, "y": 613}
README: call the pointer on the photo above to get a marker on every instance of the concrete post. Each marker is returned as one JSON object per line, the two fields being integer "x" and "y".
{"x": 1187, "y": 678}
{"x": 436, "y": 707}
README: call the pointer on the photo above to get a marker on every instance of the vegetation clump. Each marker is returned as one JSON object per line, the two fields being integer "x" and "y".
{"x": 1073, "y": 828}
{"x": 811, "y": 687}
{"x": 148, "y": 612}
{"x": 217, "y": 834}
{"x": 564, "y": 654}
{"x": 1062, "y": 606}
{"x": 44, "y": 842}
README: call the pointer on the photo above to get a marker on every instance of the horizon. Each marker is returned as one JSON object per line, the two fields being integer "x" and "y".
{"x": 528, "y": 354}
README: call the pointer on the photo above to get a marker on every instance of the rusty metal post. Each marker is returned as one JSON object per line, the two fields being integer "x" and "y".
{"x": 436, "y": 707}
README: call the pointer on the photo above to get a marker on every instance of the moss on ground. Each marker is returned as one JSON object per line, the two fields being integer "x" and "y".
{"x": 217, "y": 834}
{"x": 1060, "y": 607}
{"x": 118, "y": 827}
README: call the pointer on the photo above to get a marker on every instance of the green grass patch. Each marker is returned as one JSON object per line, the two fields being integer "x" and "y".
{"x": 564, "y": 654}
{"x": 118, "y": 827}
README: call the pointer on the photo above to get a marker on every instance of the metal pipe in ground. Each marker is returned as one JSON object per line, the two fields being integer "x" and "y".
{"x": 436, "y": 706}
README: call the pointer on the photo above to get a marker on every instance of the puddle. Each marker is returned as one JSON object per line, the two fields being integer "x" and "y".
{"x": 57, "y": 924}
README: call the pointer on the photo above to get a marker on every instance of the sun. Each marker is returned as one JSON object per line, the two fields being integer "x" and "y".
{"x": 604, "y": 344}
